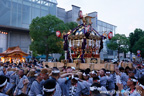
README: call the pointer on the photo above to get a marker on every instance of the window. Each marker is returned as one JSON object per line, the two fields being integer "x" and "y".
{"x": 19, "y": 13}
{"x": 44, "y": 11}
{"x": 1, "y": 50}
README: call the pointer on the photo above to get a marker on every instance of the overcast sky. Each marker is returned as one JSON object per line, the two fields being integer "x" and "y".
{"x": 125, "y": 14}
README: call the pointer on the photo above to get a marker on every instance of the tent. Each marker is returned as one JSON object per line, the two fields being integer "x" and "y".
{"x": 43, "y": 57}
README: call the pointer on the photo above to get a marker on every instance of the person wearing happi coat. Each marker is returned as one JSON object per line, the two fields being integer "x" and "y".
{"x": 93, "y": 73}
{"x": 49, "y": 87}
{"x": 3, "y": 71}
{"x": 3, "y": 83}
{"x": 142, "y": 73}
{"x": 137, "y": 72}
{"x": 97, "y": 90}
{"x": 35, "y": 89}
{"x": 73, "y": 87}
{"x": 10, "y": 85}
{"x": 103, "y": 79}
{"x": 123, "y": 76}
{"x": 131, "y": 90}
{"x": 20, "y": 78}
{"x": 45, "y": 75}
{"x": 110, "y": 82}
{"x": 86, "y": 76}
{"x": 87, "y": 81}
{"x": 56, "y": 76}
{"x": 131, "y": 74}
{"x": 140, "y": 86}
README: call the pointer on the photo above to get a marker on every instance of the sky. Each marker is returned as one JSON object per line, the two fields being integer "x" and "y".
{"x": 127, "y": 15}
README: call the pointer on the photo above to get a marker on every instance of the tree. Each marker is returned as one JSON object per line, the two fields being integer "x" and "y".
{"x": 119, "y": 42}
{"x": 72, "y": 25}
{"x": 133, "y": 38}
{"x": 42, "y": 33}
{"x": 139, "y": 45}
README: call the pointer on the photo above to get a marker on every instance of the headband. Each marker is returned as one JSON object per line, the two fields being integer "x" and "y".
{"x": 97, "y": 80}
{"x": 48, "y": 90}
{"x": 107, "y": 72}
{"x": 3, "y": 84}
{"x": 76, "y": 78}
{"x": 141, "y": 86}
{"x": 134, "y": 80}
{"x": 85, "y": 74}
{"x": 73, "y": 68}
{"x": 95, "y": 88}
{"x": 93, "y": 72}
{"x": 37, "y": 74}
{"x": 56, "y": 71}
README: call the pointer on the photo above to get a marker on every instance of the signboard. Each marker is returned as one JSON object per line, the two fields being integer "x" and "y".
{"x": 138, "y": 55}
{"x": 138, "y": 51}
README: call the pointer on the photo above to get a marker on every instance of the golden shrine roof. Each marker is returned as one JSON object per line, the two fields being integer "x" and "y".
{"x": 13, "y": 51}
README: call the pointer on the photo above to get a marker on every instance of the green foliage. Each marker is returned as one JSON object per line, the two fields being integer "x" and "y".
{"x": 139, "y": 45}
{"x": 132, "y": 41}
{"x": 42, "y": 33}
{"x": 119, "y": 42}
{"x": 72, "y": 25}
{"x": 134, "y": 37}
{"x": 61, "y": 58}
{"x": 112, "y": 45}
{"x": 34, "y": 54}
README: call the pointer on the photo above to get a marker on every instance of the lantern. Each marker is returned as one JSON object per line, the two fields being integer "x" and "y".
{"x": 110, "y": 35}
{"x": 80, "y": 14}
{"x": 58, "y": 33}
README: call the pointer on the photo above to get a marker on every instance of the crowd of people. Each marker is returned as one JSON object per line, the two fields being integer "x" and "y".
{"x": 30, "y": 79}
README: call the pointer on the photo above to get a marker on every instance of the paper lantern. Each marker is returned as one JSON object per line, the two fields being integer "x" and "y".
{"x": 110, "y": 35}
{"x": 58, "y": 33}
{"x": 80, "y": 14}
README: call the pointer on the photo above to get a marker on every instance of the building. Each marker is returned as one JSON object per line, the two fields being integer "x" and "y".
{"x": 106, "y": 27}
{"x": 16, "y": 16}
